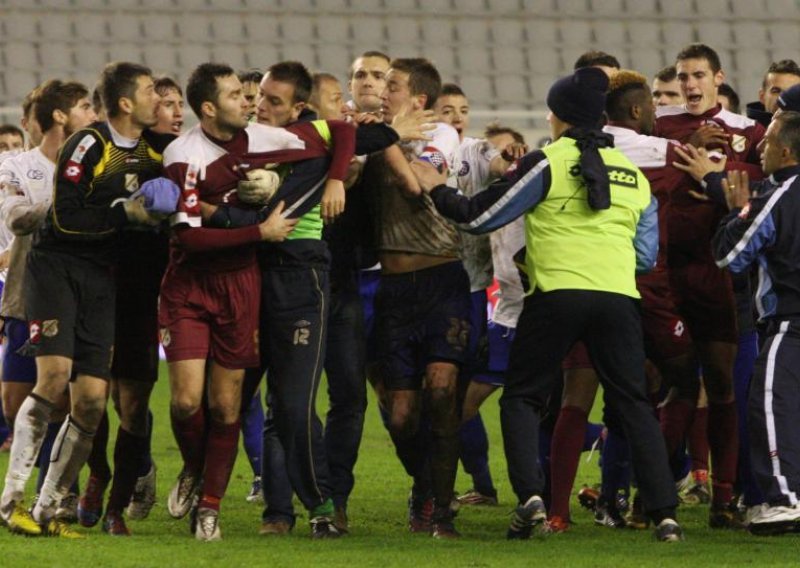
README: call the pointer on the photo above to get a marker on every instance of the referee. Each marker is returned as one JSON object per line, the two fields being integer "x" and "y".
{"x": 590, "y": 224}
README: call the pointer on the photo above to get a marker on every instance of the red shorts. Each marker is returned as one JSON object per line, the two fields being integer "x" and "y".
{"x": 704, "y": 297}
{"x": 205, "y": 314}
{"x": 665, "y": 333}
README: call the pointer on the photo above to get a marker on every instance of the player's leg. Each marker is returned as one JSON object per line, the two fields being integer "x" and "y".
{"x": 474, "y": 444}
{"x": 252, "y": 434}
{"x": 279, "y": 516}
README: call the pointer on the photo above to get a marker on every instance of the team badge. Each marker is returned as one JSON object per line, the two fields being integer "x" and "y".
{"x": 166, "y": 338}
{"x": 50, "y": 328}
{"x": 738, "y": 143}
{"x": 464, "y": 168}
{"x": 35, "y": 332}
{"x": 73, "y": 171}
{"x": 35, "y": 174}
{"x": 131, "y": 182}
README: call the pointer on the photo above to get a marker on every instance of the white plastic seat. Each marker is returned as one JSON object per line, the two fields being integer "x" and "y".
{"x": 262, "y": 27}
{"x": 576, "y": 33}
{"x": 474, "y": 60}
{"x": 512, "y": 90}
{"x": 297, "y": 28}
{"x": 233, "y": 55}
{"x": 644, "y": 34}
{"x": 609, "y": 34}
{"x": 677, "y": 8}
{"x": 125, "y": 51}
{"x": 511, "y": 33}
{"x": 301, "y": 52}
{"x": 333, "y": 30}
{"x": 56, "y": 57}
{"x": 472, "y": 32}
{"x": 437, "y": 32}
{"x": 478, "y": 88}
{"x": 647, "y": 61}
{"x": 90, "y": 56}
{"x": 335, "y": 59}
{"x": 57, "y": 28}
{"x": 509, "y": 60}
{"x": 369, "y": 30}
{"x": 21, "y": 55}
{"x": 161, "y": 57}
{"x": 228, "y": 28}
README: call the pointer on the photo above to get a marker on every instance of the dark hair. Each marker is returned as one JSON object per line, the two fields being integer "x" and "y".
{"x": 202, "y": 85}
{"x": 97, "y": 100}
{"x": 784, "y": 66}
{"x": 251, "y": 76}
{"x": 163, "y": 85}
{"x": 727, "y": 91}
{"x": 27, "y": 102}
{"x": 624, "y": 89}
{"x": 297, "y": 75}
{"x": 11, "y": 129}
{"x": 495, "y": 129}
{"x": 423, "y": 78}
{"x": 789, "y": 134}
{"x": 452, "y": 90}
{"x": 593, "y": 58}
{"x": 57, "y": 95}
{"x": 371, "y": 53}
{"x": 667, "y": 74}
{"x": 700, "y": 51}
{"x": 118, "y": 80}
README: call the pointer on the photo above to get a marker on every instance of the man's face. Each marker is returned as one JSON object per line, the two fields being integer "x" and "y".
{"x": 276, "y": 105}
{"x": 396, "y": 95}
{"x": 501, "y": 141}
{"x": 329, "y": 100}
{"x": 250, "y": 90}
{"x": 647, "y": 118}
{"x": 170, "y": 113}
{"x": 144, "y": 113}
{"x": 774, "y": 85}
{"x": 231, "y": 106}
{"x": 31, "y": 126}
{"x": 11, "y": 141}
{"x": 453, "y": 110}
{"x": 771, "y": 149}
{"x": 80, "y": 116}
{"x": 698, "y": 84}
{"x": 667, "y": 93}
{"x": 368, "y": 82}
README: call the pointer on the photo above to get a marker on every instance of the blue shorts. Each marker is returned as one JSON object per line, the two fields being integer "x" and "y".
{"x": 478, "y": 348}
{"x": 422, "y": 317}
{"x": 17, "y": 368}
{"x": 500, "y": 340}
{"x": 368, "y": 281}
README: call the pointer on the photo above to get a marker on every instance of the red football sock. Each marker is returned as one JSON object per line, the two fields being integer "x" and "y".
{"x": 723, "y": 439}
{"x": 675, "y": 419}
{"x": 129, "y": 450}
{"x": 223, "y": 444}
{"x": 565, "y": 453}
{"x": 190, "y": 434}
{"x": 697, "y": 438}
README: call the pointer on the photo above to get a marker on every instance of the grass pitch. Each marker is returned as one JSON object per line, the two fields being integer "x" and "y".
{"x": 378, "y": 534}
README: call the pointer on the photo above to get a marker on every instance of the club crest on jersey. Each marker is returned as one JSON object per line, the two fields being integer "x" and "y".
{"x": 166, "y": 338}
{"x": 50, "y": 328}
{"x": 35, "y": 331}
{"x": 83, "y": 147}
{"x": 35, "y": 174}
{"x": 464, "y": 168}
{"x": 738, "y": 143}
{"x": 73, "y": 171}
{"x": 131, "y": 182}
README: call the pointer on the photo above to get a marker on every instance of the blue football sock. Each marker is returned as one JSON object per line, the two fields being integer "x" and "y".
{"x": 252, "y": 425}
{"x": 616, "y": 464}
{"x": 742, "y": 374}
{"x": 593, "y": 432}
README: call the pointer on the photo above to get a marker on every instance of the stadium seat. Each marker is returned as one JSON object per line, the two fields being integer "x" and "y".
{"x": 57, "y": 29}
{"x": 647, "y": 61}
{"x": 477, "y": 87}
{"x": 335, "y": 59}
{"x": 576, "y": 33}
{"x": 757, "y": 8}
{"x": 676, "y": 34}
{"x": 20, "y": 55}
{"x": 784, "y": 35}
{"x": 505, "y": 7}
{"x": 437, "y": 32}
{"x": 190, "y": 55}
{"x": 780, "y": 8}
{"x": 91, "y": 27}
{"x": 443, "y": 58}
{"x": 512, "y": 90}
{"x": 642, "y": 8}
{"x": 715, "y": 33}
{"x": 473, "y": 7}
{"x": 400, "y": 30}
{"x": 511, "y": 33}
{"x": 233, "y": 55}
{"x": 545, "y": 59}
{"x": 677, "y": 8}
{"x": 262, "y": 55}
{"x": 159, "y": 29}
{"x": 542, "y": 32}
{"x": 612, "y": 8}
{"x": 56, "y": 57}
{"x": 90, "y": 56}
{"x": 713, "y": 8}
{"x": 509, "y": 60}
{"x": 302, "y": 52}
{"x": 194, "y": 27}
{"x": 751, "y": 62}
{"x": 20, "y": 82}
{"x": 334, "y": 29}
{"x": 610, "y": 34}
{"x": 18, "y": 25}
{"x": 643, "y": 33}
{"x": 472, "y": 32}
{"x": 368, "y": 6}
{"x": 228, "y": 28}
{"x": 297, "y": 29}
{"x": 125, "y": 51}
{"x": 368, "y": 30}
{"x": 579, "y": 8}
{"x": 261, "y": 27}
{"x": 161, "y": 58}
{"x": 750, "y": 35}
{"x": 474, "y": 59}
{"x": 127, "y": 27}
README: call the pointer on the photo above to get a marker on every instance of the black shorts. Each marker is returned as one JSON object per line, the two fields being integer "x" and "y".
{"x": 70, "y": 305}
{"x": 141, "y": 267}
{"x": 421, "y": 317}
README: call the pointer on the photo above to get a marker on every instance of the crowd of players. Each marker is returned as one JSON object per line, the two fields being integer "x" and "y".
{"x": 291, "y": 232}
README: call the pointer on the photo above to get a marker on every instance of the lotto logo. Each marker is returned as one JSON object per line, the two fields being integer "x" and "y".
{"x": 623, "y": 177}
{"x": 35, "y": 331}
{"x": 191, "y": 201}
{"x": 679, "y": 328}
{"x": 73, "y": 172}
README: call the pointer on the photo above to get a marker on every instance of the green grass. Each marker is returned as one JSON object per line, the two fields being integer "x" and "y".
{"x": 378, "y": 532}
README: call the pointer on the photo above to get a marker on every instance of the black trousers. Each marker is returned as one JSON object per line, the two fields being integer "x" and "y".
{"x": 610, "y": 326}
{"x": 773, "y": 415}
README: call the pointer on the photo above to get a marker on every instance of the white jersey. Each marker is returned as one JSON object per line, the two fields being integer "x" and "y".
{"x": 440, "y": 150}
{"x": 6, "y": 236}
{"x": 474, "y": 175}
{"x": 506, "y": 242}
{"x": 26, "y": 182}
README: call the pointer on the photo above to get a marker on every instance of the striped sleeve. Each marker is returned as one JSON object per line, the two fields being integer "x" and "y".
{"x": 519, "y": 191}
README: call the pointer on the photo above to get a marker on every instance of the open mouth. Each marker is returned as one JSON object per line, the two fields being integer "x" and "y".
{"x": 694, "y": 99}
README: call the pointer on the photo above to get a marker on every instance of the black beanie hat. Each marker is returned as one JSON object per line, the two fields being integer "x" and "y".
{"x": 580, "y": 99}
{"x": 790, "y": 99}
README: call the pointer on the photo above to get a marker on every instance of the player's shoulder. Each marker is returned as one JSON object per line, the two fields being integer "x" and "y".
{"x": 642, "y": 150}
{"x": 264, "y": 137}
{"x": 445, "y": 133}
{"x": 158, "y": 141}
{"x": 191, "y": 145}
{"x": 735, "y": 121}
{"x": 85, "y": 141}
{"x": 671, "y": 112}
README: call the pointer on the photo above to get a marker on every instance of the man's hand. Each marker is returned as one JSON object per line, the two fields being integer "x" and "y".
{"x": 698, "y": 163}
{"x": 709, "y": 135}
{"x": 514, "y": 151}
{"x": 427, "y": 176}
{"x": 365, "y": 118}
{"x": 138, "y": 214}
{"x": 413, "y": 124}
{"x": 276, "y": 228}
{"x": 259, "y": 187}
{"x": 737, "y": 189}
{"x": 5, "y": 259}
{"x": 332, "y": 204}
{"x": 159, "y": 195}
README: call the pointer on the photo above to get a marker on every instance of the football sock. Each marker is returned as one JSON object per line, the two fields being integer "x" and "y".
{"x": 676, "y": 416}
{"x": 616, "y": 466}
{"x": 70, "y": 451}
{"x": 221, "y": 449}
{"x": 697, "y": 439}
{"x": 568, "y": 438}
{"x": 475, "y": 455}
{"x": 190, "y": 434}
{"x": 252, "y": 425}
{"x": 724, "y": 444}
{"x": 444, "y": 446}
{"x": 98, "y": 458}
{"x": 593, "y": 432}
{"x": 44, "y": 453}
{"x": 147, "y": 459}
{"x": 30, "y": 429}
{"x": 742, "y": 373}
{"x": 129, "y": 452}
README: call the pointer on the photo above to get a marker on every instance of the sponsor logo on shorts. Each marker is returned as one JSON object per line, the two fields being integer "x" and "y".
{"x": 738, "y": 143}
{"x": 50, "y": 328}
{"x": 131, "y": 182}
{"x": 301, "y": 332}
{"x": 87, "y": 142}
{"x": 678, "y": 329}
{"x": 73, "y": 171}
{"x": 166, "y": 338}
{"x": 623, "y": 177}
{"x": 35, "y": 331}
{"x": 458, "y": 333}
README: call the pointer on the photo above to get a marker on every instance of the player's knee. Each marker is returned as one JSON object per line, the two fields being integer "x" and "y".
{"x": 181, "y": 408}
{"x": 441, "y": 376}
{"x": 226, "y": 414}
{"x": 88, "y": 412}
{"x": 51, "y": 383}
{"x": 402, "y": 422}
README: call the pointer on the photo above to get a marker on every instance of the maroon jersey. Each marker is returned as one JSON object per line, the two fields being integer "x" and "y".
{"x": 692, "y": 223}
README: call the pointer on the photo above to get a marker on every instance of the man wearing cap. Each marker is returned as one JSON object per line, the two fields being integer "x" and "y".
{"x": 591, "y": 223}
